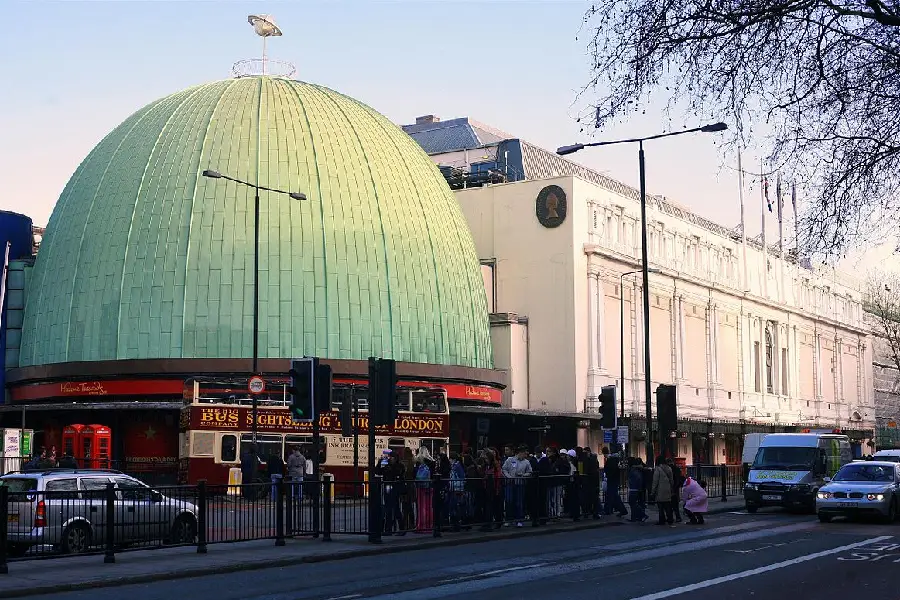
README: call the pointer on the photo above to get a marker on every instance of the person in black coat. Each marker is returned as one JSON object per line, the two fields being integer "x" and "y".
{"x": 591, "y": 487}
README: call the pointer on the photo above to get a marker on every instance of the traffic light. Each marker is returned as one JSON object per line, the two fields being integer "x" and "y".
{"x": 302, "y": 388}
{"x": 608, "y": 407}
{"x": 666, "y": 409}
{"x": 382, "y": 391}
{"x": 322, "y": 389}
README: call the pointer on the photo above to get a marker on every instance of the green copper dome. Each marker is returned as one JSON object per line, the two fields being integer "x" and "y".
{"x": 145, "y": 258}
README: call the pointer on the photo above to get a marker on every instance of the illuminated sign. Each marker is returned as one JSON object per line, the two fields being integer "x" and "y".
{"x": 240, "y": 418}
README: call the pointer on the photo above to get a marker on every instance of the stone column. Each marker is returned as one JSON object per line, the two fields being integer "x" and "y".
{"x": 600, "y": 335}
{"x": 681, "y": 338}
{"x": 593, "y": 351}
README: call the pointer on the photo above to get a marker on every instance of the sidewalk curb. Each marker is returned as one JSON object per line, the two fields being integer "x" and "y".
{"x": 423, "y": 544}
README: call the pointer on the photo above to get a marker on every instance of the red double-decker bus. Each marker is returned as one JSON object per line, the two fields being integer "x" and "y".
{"x": 217, "y": 422}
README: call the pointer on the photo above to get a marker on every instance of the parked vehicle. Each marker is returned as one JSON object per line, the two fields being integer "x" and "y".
{"x": 887, "y": 455}
{"x": 861, "y": 488}
{"x": 66, "y": 509}
{"x": 789, "y": 469}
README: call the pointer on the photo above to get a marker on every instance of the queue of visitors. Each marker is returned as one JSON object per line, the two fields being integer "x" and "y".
{"x": 490, "y": 490}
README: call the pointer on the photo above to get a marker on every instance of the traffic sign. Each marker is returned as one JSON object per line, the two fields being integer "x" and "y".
{"x": 256, "y": 385}
{"x": 607, "y": 436}
{"x": 623, "y": 434}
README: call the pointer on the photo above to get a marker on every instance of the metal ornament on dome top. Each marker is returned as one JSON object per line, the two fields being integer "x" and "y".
{"x": 265, "y": 27}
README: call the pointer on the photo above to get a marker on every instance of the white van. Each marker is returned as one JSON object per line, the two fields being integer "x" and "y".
{"x": 887, "y": 455}
{"x": 789, "y": 469}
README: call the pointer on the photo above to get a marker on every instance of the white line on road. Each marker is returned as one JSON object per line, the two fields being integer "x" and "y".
{"x": 347, "y": 597}
{"x": 548, "y": 571}
{"x": 489, "y": 573}
{"x": 751, "y": 572}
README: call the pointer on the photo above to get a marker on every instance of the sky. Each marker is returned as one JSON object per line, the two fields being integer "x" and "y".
{"x": 74, "y": 70}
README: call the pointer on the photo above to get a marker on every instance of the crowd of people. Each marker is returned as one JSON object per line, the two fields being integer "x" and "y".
{"x": 491, "y": 490}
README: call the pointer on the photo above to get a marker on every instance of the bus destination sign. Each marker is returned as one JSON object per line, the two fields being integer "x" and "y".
{"x": 240, "y": 418}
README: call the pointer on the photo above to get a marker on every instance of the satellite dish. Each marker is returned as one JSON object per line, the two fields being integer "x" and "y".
{"x": 264, "y": 25}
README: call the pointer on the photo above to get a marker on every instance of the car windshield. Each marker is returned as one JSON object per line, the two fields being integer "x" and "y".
{"x": 866, "y": 473}
{"x": 19, "y": 484}
{"x": 785, "y": 458}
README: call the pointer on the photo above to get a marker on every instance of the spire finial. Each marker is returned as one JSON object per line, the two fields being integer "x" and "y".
{"x": 265, "y": 27}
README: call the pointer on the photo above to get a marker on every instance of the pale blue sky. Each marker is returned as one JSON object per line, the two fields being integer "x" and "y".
{"x": 74, "y": 70}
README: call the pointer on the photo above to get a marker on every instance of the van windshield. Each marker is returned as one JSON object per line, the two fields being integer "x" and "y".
{"x": 786, "y": 459}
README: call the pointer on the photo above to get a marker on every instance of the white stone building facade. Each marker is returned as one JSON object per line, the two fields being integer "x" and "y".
{"x": 752, "y": 341}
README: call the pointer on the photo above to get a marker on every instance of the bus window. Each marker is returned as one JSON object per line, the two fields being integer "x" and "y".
{"x": 339, "y": 395}
{"x": 265, "y": 445}
{"x": 362, "y": 396}
{"x": 401, "y": 401}
{"x": 228, "y": 453}
{"x": 429, "y": 402}
{"x": 306, "y": 445}
{"x": 434, "y": 445}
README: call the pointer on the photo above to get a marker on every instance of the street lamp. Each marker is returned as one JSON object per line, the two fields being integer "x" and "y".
{"x": 622, "y": 334}
{"x": 563, "y": 150}
{"x": 296, "y": 196}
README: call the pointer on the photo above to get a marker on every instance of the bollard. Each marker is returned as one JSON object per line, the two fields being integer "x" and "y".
{"x": 201, "y": 516}
{"x": 289, "y": 509}
{"x": 724, "y": 474}
{"x": 326, "y": 499}
{"x": 4, "y": 528}
{"x": 279, "y": 511}
{"x": 436, "y": 504}
{"x": 376, "y": 523}
{"x": 110, "y": 556}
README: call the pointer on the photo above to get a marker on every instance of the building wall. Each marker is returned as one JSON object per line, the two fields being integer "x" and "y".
{"x": 534, "y": 277}
{"x": 509, "y": 337}
{"x": 757, "y": 338}
{"x": 886, "y": 379}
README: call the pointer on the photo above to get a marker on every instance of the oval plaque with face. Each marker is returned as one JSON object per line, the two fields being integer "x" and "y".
{"x": 550, "y": 206}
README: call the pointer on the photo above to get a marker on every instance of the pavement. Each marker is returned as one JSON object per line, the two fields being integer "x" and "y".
{"x": 145, "y": 571}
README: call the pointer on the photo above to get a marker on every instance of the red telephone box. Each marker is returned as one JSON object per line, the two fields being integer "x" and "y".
{"x": 96, "y": 441}
{"x": 71, "y": 442}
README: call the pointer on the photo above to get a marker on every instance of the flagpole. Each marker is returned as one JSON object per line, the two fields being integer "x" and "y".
{"x": 781, "y": 291}
{"x": 765, "y": 252}
{"x": 745, "y": 276}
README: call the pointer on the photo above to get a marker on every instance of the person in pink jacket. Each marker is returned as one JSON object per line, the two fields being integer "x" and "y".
{"x": 695, "y": 502}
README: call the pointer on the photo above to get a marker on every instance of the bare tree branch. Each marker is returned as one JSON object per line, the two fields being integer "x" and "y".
{"x": 883, "y": 301}
{"x": 822, "y": 75}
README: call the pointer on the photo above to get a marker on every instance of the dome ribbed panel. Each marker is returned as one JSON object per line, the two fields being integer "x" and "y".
{"x": 143, "y": 258}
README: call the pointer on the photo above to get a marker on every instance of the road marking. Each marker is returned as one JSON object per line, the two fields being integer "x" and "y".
{"x": 347, "y": 597}
{"x": 488, "y": 573}
{"x": 751, "y": 572}
{"x": 551, "y": 570}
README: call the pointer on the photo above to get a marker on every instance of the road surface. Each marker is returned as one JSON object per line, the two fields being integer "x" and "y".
{"x": 769, "y": 555}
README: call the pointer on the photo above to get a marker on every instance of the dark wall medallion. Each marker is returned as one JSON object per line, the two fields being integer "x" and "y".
{"x": 550, "y": 206}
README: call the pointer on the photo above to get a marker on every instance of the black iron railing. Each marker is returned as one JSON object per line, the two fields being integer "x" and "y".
{"x": 53, "y": 513}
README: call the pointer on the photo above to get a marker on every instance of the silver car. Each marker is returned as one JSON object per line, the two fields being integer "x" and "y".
{"x": 859, "y": 489}
{"x": 66, "y": 510}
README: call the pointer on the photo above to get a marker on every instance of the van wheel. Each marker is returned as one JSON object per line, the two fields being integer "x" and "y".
{"x": 184, "y": 530}
{"x": 824, "y": 518}
{"x": 76, "y": 539}
{"x": 752, "y": 508}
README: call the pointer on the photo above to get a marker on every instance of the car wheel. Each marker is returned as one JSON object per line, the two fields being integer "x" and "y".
{"x": 76, "y": 539}
{"x": 17, "y": 550}
{"x": 892, "y": 513}
{"x": 752, "y": 508}
{"x": 825, "y": 518}
{"x": 184, "y": 530}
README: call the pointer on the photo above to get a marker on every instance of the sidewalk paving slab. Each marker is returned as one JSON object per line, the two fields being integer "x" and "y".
{"x": 144, "y": 566}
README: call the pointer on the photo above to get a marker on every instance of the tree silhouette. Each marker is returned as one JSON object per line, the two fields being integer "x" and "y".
{"x": 822, "y": 77}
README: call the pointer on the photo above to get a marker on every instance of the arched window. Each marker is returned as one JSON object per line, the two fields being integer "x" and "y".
{"x": 770, "y": 360}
